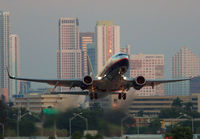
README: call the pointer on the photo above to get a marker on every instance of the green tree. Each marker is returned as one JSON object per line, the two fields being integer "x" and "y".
{"x": 77, "y": 135}
{"x": 173, "y": 112}
{"x": 27, "y": 128}
{"x": 155, "y": 125}
{"x": 177, "y": 102}
{"x": 98, "y": 136}
{"x": 88, "y": 136}
{"x": 2, "y": 112}
{"x": 1, "y": 136}
{"x": 140, "y": 113}
{"x": 188, "y": 108}
{"x": 180, "y": 132}
{"x": 51, "y": 137}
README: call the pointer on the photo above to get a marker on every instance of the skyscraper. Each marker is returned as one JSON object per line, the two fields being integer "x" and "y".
{"x": 4, "y": 48}
{"x": 151, "y": 67}
{"x": 184, "y": 64}
{"x": 85, "y": 39}
{"x": 92, "y": 53}
{"x": 14, "y": 63}
{"x": 107, "y": 42}
{"x": 69, "y": 61}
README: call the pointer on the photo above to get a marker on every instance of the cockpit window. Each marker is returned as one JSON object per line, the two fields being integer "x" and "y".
{"x": 121, "y": 54}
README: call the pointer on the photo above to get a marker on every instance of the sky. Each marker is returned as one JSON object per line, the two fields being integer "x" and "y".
{"x": 149, "y": 26}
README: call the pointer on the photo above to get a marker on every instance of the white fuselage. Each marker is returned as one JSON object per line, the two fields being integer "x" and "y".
{"x": 112, "y": 74}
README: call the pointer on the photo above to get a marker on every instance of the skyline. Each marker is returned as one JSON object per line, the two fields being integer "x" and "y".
{"x": 146, "y": 26}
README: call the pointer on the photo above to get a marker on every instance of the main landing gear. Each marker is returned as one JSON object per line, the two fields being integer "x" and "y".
{"x": 122, "y": 95}
{"x": 93, "y": 96}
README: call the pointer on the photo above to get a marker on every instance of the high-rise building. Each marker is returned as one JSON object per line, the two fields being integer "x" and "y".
{"x": 92, "y": 54}
{"x": 4, "y": 94}
{"x": 151, "y": 67}
{"x": 14, "y": 64}
{"x": 25, "y": 87}
{"x": 107, "y": 42}
{"x": 69, "y": 58}
{"x": 184, "y": 64}
{"x": 4, "y": 48}
{"x": 85, "y": 39}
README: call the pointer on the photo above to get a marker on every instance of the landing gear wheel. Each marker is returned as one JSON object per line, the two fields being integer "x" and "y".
{"x": 119, "y": 96}
{"x": 124, "y": 96}
{"x": 95, "y": 96}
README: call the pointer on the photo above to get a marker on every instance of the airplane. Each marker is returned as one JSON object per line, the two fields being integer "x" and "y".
{"x": 111, "y": 80}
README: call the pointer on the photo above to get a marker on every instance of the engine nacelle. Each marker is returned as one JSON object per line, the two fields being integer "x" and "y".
{"x": 140, "y": 80}
{"x": 87, "y": 80}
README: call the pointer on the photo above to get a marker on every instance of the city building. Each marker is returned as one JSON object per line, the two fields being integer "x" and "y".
{"x": 69, "y": 55}
{"x": 4, "y": 48}
{"x": 36, "y": 102}
{"x": 150, "y": 66}
{"x": 4, "y": 94}
{"x": 85, "y": 39}
{"x": 195, "y": 85}
{"x": 92, "y": 54}
{"x": 152, "y": 105}
{"x": 184, "y": 64}
{"x": 25, "y": 87}
{"x": 107, "y": 42}
{"x": 14, "y": 64}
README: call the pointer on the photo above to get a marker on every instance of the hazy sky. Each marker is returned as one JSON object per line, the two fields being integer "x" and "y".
{"x": 149, "y": 26}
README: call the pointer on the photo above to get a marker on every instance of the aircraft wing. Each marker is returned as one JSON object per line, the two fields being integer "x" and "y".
{"x": 154, "y": 82}
{"x": 166, "y": 80}
{"x": 55, "y": 82}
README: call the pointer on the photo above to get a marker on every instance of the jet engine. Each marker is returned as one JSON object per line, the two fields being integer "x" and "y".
{"x": 87, "y": 80}
{"x": 139, "y": 82}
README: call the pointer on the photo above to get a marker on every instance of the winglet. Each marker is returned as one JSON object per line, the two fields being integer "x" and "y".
{"x": 11, "y": 77}
{"x": 90, "y": 68}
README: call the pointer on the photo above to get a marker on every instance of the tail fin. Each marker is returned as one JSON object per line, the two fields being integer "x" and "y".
{"x": 90, "y": 68}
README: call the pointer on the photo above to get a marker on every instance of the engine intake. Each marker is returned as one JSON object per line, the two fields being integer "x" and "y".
{"x": 140, "y": 80}
{"x": 87, "y": 80}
